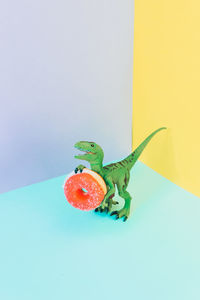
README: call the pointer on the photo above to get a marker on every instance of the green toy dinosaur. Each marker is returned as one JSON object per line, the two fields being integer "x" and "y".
{"x": 113, "y": 174}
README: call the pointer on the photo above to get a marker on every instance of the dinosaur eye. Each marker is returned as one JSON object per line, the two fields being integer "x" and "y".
{"x": 92, "y": 145}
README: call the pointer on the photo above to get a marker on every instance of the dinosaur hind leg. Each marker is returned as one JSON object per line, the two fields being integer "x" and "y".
{"x": 125, "y": 211}
{"x": 108, "y": 208}
{"x": 106, "y": 204}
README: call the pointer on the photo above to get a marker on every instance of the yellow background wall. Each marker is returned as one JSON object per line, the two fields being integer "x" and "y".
{"x": 166, "y": 88}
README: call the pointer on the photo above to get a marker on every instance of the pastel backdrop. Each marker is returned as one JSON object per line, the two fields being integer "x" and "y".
{"x": 66, "y": 75}
{"x": 166, "y": 87}
{"x": 50, "y": 250}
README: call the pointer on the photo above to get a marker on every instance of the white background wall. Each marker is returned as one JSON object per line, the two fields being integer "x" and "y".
{"x": 65, "y": 75}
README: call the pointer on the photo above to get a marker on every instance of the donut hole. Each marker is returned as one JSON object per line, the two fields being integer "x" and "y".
{"x": 84, "y": 190}
{"x": 82, "y": 193}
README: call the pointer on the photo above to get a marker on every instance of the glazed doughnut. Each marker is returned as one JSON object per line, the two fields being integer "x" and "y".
{"x": 85, "y": 190}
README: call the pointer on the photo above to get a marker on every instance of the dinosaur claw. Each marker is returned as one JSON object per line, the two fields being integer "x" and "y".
{"x": 125, "y": 218}
{"x": 113, "y": 213}
{"x": 117, "y": 217}
{"x": 76, "y": 170}
{"x": 100, "y": 209}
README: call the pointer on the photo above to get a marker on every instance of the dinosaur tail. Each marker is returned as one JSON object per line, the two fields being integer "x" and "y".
{"x": 133, "y": 157}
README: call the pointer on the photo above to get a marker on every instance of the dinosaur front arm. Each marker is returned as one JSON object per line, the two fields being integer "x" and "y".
{"x": 79, "y": 168}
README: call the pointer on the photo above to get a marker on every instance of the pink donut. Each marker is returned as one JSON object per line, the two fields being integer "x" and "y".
{"x": 85, "y": 190}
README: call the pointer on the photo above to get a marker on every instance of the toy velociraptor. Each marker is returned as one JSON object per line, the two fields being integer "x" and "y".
{"x": 113, "y": 174}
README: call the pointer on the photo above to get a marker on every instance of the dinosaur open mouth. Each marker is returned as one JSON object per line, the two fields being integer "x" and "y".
{"x": 86, "y": 152}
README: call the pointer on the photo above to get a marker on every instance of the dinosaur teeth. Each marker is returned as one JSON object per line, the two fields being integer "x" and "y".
{"x": 86, "y": 152}
{"x": 80, "y": 154}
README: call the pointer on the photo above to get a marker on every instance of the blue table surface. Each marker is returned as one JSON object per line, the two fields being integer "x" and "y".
{"x": 50, "y": 250}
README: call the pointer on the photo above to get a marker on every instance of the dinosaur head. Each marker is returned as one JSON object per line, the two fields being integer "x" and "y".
{"x": 93, "y": 152}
